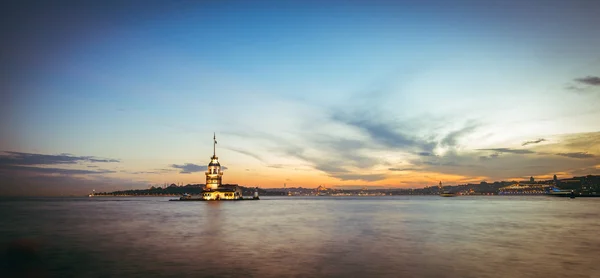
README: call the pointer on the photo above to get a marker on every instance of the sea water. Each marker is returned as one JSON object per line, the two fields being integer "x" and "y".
{"x": 387, "y": 236}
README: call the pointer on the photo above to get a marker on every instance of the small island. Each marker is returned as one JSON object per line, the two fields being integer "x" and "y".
{"x": 214, "y": 189}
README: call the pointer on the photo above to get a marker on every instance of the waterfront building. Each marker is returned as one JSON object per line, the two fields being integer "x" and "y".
{"x": 524, "y": 189}
{"x": 215, "y": 189}
{"x": 589, "y": 183}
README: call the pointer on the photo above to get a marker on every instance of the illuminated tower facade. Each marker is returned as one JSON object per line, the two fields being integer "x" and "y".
{"x": 213, "y": 173}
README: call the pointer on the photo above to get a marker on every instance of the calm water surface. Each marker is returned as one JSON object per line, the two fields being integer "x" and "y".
{"x": 305, "y": 237}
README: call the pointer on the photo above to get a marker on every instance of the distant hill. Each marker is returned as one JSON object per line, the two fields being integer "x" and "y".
{"x": 180, "y": 190}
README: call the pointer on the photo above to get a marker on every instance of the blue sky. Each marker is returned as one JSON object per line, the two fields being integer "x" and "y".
{"x": 302, "y": 92}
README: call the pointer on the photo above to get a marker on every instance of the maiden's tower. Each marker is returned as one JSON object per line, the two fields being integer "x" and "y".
{"x": 215, "y": 189}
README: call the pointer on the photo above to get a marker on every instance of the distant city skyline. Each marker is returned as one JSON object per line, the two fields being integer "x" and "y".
{"x": 120, "y": 95}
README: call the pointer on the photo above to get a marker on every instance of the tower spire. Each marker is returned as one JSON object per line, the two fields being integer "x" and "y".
{"x": 213, "y": 173}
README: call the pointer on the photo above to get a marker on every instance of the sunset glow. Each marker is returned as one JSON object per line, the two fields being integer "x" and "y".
{"x": 378, "y": 93}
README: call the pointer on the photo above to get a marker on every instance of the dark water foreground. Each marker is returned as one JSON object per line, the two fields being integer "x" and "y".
{"x": 302, "y": 237}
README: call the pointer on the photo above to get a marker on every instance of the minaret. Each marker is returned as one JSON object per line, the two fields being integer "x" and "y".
{"x": 213, "y": 173}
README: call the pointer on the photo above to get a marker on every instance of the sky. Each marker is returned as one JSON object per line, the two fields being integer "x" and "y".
{"x": 111, "y": 95}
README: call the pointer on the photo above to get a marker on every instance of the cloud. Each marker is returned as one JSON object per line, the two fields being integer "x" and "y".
{"x": 248, "y": 153}
{"x": 338, "y": 155}
{"x": 580, "y": 155}
{"x": 152, "y": 171}
{"x": 533, "y": 142}
{"x": 450, "y": 159}
{"x": 402, "y": 146}
{"x": 585, "y": 84}
{"x": 451, "y": 139}
{"x": 34, "y": 164}
{"x": 441, "y": 163}
{"x": 43, "y": 170}
{"x": 575, "y": 89}
{"x": 508, "y": 150}
{"x": 582, "y": 141}
{"x": 343, "y": 158}
{"x": 569, "y": 153}
{"x": 589, "y": 80}
{"x": 90, "y": 159}
{"x": 19, "y": 158}
{"x": 188, "y": 168}
{"x": 491, "y": 156}
{"x": 384, "y": 132}
{"x": 403, "y": 169}
{"x": 145, "y": 172}
{"x": 155, "y": 171}
{"x": 365, "y": 177}
{"x": 586, "y": 171}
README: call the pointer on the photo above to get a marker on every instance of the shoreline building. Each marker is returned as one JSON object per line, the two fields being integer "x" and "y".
{"x": 214, "y": 189}
{"x": 521, "y": 188}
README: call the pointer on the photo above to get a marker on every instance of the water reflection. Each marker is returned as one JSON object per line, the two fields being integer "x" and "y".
{"x": 311, "y": 237}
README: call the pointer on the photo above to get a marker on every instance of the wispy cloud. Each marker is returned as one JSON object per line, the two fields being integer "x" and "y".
{"x": 451, "y": 139}
{"x": 146, "y": 172}
{"x": 584, "y": 85}
{"x": 33, "y": 163}
{"x": 589, "y": 80}
{"x": 384, "y": 131}
{"x": 491, "y": 156}
{"x": 43, "y": 170}
{"x": 19, "y": 158}
{"x": 245, "y": 152}
{"x": 152, "y": 171}
{"x": 502, "y": 163}
{"x": 347, "y": 159}
{"x": 403, "y": 169}
{"x": 508, "y": 150}
{"x": 363, "y": 177}
{"x": 575, "y": 89}
{"x": 580, "y": 155}
{"x": 533, "y": 142}
{"x": 417, "y": 145}
{"x": 188, "y": 168}
{"x": 586, "y": 171}
{"x": 587, "y": 141}
{"x": 337, "y": 157}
